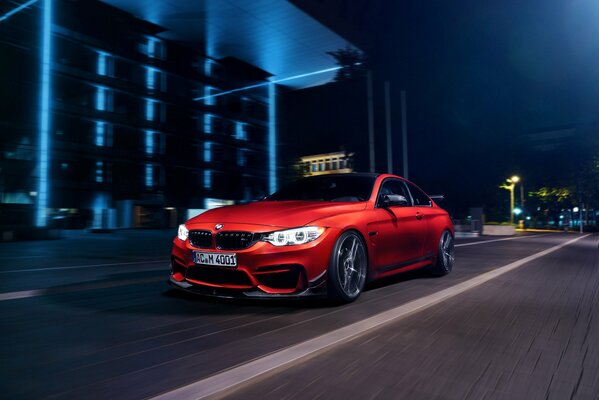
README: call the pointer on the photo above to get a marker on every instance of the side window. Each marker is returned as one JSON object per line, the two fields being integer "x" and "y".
{"x": 394, "y": 186}
{"x": 418, "y": 196}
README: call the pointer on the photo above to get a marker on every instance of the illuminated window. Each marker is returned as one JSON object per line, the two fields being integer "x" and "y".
{"x": 209, "y": 100}
{"x": 208, "y": 67}
{"x": 151, "y": 77}
{"x": 241, "y": 158}
{"x": 240, "y": 131}
{"x": 99, "y": 171}
{"x": 104, "y": 98}
{"x": 105, "y": 65}
{"x": 207, "y": 151}
{"x": 149, "y": 175}
{"x": 149, "y": 142}
{"x": 103, "y": 134}
{"x": 150, "y": 109}
{"x": 207, "y": 179}
{"x": 155, "y": 79}
{"x": 208, "y": 123}
{"x": 154, "y": 48}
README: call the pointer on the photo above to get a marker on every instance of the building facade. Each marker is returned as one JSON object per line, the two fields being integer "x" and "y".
{"x": 132, "y": 135}
{"x": 329, "y": 163}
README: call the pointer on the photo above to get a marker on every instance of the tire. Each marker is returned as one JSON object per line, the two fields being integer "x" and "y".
{"x": 347, "y": 269}
{"x": 445, "y": 255}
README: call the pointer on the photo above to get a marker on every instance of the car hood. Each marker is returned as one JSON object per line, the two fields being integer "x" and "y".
{"x": 282, "y": 214}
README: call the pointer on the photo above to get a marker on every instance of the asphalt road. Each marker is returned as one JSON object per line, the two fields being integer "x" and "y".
{"x": 91, "y": 316}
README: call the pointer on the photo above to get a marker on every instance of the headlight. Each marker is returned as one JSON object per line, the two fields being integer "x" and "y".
{"x": 292, "y": 237}
{"x": 183, "y": 233}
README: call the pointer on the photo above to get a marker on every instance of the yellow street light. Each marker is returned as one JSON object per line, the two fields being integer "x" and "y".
{"x": 510, "y": 186}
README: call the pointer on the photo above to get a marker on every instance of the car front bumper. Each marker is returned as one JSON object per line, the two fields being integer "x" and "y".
{"x": 263, "y": 270}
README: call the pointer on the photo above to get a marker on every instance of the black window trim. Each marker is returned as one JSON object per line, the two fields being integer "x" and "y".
{"x": 378, "y": 195}
{"x": 430, "y": 201}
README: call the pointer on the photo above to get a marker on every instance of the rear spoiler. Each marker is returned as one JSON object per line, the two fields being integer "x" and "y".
{"x": 437, "y": 197}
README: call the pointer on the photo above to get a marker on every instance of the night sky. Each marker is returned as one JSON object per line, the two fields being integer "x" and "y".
{"x": 480, "y": 77}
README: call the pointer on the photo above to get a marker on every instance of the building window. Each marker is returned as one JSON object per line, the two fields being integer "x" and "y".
{"x": 207, "y": 179}
{"x": 104, "y": 98}
{"x": 155, "y": 79}
{"x": 208, "y": 123}
{"x": 150, "y": 109}
{"x": 241, "y": 158}
{"x": 208, "y": 67}
{"x": 154, "y": 48}
{"x": 105, "y": 66}
{"x": 103, "y": 137}
{"x": 209, "y": 100}
{"x": 149, "y": 175}
{"x": 149, "y": 142}
{"x": 99, "y": 171}
{"x": 240, "y": 131}
{"x": 207, "y": 151}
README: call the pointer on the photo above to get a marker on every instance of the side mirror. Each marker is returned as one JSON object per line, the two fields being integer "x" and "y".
{"x": 390, "y": 200}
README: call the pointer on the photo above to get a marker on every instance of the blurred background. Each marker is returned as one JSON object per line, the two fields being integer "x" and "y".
{"x": 134, "y": 114}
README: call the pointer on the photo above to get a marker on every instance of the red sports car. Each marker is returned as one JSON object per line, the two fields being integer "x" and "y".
{"x": 322, "y": 235}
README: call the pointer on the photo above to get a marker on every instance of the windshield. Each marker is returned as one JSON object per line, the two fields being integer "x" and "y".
{"x": 327, "y": 188}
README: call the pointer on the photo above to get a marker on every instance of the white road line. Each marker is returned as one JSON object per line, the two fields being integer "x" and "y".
{"x": 501, "y": 240}
{"x": 229, "y": 379}
{"x": 24, "y": 294}
{"x": 13, "y": 271}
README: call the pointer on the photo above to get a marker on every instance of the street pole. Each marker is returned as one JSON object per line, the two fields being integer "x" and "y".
{"x": 512, "y": 186}
{"x": 580, "y": 216}
{"x": 370, "y": 118}
{"x": 404, "y": 134}
{"x": 388, "y": 126}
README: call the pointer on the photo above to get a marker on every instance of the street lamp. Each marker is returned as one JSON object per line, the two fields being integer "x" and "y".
{"x": 510, "y": 186}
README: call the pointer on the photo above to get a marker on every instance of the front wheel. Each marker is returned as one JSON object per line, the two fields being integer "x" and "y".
{"x": 347, "y": 268}
{"x": 445, "y": 255}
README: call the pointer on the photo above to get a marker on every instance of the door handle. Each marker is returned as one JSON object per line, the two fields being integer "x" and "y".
{"x": 418, "y": 216}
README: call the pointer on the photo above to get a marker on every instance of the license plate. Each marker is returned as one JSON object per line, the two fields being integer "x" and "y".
{"x": 215, "y": 259}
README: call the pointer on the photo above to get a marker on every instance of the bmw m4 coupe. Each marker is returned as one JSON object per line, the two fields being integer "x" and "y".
{"x": 324, "y": 235}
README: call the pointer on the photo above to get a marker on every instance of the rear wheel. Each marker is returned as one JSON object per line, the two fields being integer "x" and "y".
{"x": 347, "y": 268}
{"x": 445, "y": 255}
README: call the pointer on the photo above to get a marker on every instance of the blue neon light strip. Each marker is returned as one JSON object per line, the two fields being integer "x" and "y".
{"x": 208, "y": 96}
{"x": 272, "y": 137}
{"x": 16, "y": 10}
{"x": 42, "y": 203}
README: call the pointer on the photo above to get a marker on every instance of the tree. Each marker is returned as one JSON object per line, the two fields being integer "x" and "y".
{"x": 352, "y": 61}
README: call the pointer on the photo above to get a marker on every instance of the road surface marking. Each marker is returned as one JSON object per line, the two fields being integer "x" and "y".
{"x": 12, "y": 271}
{"x": 232, "y": 378}
{"x": 75, "y": 288}
{"x": 499, "y": 240}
